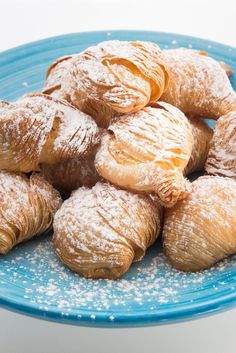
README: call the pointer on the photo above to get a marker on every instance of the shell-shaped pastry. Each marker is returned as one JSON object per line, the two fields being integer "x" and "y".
{"x": 70, "y": 174}
{"x": 111, "y": 78}
{"x": 201, "y": 229}
{"x": 41, "y": 129}
{"x": 99, "y": 232}
{"x": 221, "y": 159}
{"x": 202, "y": 135}
{"x": 148, "y": 151}
{"x": 198, "y": 84}
{"x": 27, "y": 206}
{"x": 59, "y": 78}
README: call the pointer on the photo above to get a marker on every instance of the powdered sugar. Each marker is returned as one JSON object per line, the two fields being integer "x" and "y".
{"x": 77, "y": 133}
{"x": 148, "y": 151}
{"x": 107, "y": 229}
{"x": 27, "y": 208}
{"x": 23, "y": 134}
{"x": 28, "y": 124}
{"x": 151, "y": 285}
{"x": 222, "y": 155}
{"x": 200, "y": 230}
{"x": 111, "y": 78}
{"x": 70, "y": 174}
{"x": 198, "y": 84}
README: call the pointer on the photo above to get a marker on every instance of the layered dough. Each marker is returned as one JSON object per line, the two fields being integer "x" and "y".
{"x": 27, "y": 206}
{"x": 109, "y": 79}
{"x": 221, "y": 159}
{"x": 59, "y": 78}
{"x": 41, "y": 129}
{"x": 201, "y": 229}
{"x": 198, "y": 84}
{"x": 109, "y": 132}
{"x": 202, "y": 135}
{"x": 148, "y": 151}
{"x": 70, "y": 174}
{"x": 99, "y": 232}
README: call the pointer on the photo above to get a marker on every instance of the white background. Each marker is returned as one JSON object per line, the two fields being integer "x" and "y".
{"x": 22, "y": 21}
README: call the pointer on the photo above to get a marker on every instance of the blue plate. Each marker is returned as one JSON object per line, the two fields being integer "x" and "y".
{"x": 32, "y": 279}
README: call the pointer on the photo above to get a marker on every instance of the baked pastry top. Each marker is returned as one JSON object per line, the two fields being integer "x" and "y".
{"x": 201, "y": 229}
{"x": 111, "y": 78}
{"x": 41, "y": 129}
{"x": 99, "y": 232}
{"x": 148, "y": 151}
{"x": 27, "y": 207}
{"x": 202, "y": 135}
{"x": 198, "y": 84}
{"x": 221, "y": 159}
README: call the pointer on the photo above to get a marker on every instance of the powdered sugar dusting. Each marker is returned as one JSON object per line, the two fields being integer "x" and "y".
{"x": 70, "y": 174}
{"x": 110, "y": 78}
{"x": 27, "y": 208}
{"x": 151, "y": 285}
{"x": 198, "y": 84}
{"x": 148, "y": 151}
{"x": 100, "y": 231}
{"x": 222, "y": 154}
{"x": 200, "y": 230}
{"x": 27, "y": 125}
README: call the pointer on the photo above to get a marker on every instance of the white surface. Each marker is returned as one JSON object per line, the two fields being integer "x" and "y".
{"x": 214, "y": 334}
{"x": 22, "y": 21}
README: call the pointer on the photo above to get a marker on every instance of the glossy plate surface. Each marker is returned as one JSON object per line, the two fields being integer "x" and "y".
{"x": 34, "y": 282}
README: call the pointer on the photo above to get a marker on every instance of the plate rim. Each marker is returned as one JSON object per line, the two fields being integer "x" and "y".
{"x": 142, "y": 318}
{"x": 115, "y": 31}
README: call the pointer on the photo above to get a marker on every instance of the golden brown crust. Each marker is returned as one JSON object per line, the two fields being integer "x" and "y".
{"x": 71, "y": 174}
{"x": 221, "y": 159}
{"x": 112, "y": 78}
{"x": 99, "y": 232}
{"x": 201, "y": 229}
{"x": 59, "y": 78}
{"x": 41, "y": 129}
{"x": 198, "y": 84}
{"x": 27, "y": 206}
{"x": 148, "y": 151}
{"x": 58, "y": 61}
{"x": 202, "y": 135}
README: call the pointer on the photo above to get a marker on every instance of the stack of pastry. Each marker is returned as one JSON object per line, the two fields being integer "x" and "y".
{"x": 116, "y": 130}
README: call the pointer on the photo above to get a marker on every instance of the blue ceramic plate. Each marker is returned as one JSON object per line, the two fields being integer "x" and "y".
{"x": 32, "y": 279}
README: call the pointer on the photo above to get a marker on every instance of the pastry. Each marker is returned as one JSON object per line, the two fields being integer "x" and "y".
{"x": 99, "y": 232}
{"x": 27, "y": 206}
{"x": 221, "y": 159}
{"x": 109, "y": 79}
{"x": 202, "y": 134}
{"x": 201, "y": 229}
{"x": 70, "y": 174}
{"x": 228, "y": 70}
{"x": 148, "y": 151}
{"x": 59, "y": 78}
{"x": 198, "y": 84}
{"x": 41, "y": 129}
